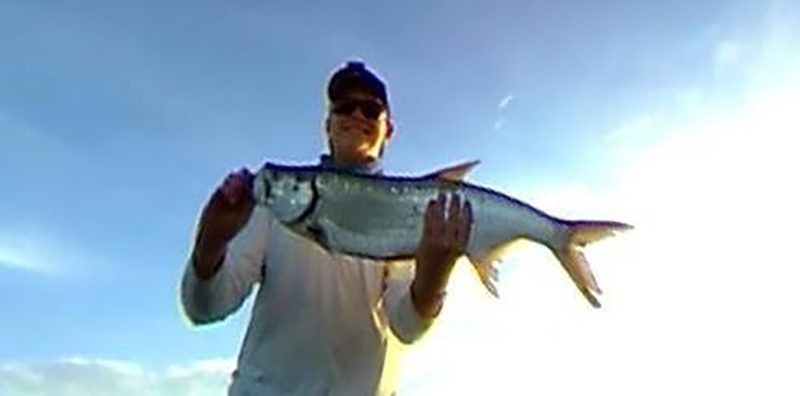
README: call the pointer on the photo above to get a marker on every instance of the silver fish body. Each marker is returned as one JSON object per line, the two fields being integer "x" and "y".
{"x": 381, "y": 217}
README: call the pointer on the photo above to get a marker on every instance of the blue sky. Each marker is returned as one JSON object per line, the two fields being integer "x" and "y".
{"x": 117, "y": 120}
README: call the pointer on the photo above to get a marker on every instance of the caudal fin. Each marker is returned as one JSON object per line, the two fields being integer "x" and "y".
{"x": 570, "y": 254}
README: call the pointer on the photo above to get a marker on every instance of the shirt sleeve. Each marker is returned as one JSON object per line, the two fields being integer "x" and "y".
{"x": 210, "y": 300}
{"x": 406, "y": 323}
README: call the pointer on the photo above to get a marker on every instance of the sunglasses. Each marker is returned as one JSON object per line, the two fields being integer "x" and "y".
{"x": 370, "y": 108}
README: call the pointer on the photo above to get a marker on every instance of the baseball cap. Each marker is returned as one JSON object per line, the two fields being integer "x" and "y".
{"x": 355, "y": 75}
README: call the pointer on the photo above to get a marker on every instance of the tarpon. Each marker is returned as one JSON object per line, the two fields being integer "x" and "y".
{"x": 381, "y": 217}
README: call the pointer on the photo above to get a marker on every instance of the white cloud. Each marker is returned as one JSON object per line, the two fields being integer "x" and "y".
{"x": 636, "y": 127}
{"x": 499, "y": 124}
{"x": 84, "y": 376}
{"x": 23, "y": 253}
{"x": 37, "y": 250}
{"x": 505, "y": 101}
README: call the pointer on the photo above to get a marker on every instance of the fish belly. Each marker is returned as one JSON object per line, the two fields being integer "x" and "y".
{"x": 369, "y": 218}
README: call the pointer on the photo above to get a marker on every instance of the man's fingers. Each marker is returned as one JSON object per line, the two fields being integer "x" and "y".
{"x": 465, "y": 225}
{"x": 439, "y": 220}
{"x": 454, "y": 209}
{"x": 449, "y": 223}
{"x": 453, "y": 220}
{"x": 228, "y": 190}
{"x": 245, "y": 177}
{"x": 434, "y": 215}
{"x": 236, "y": 186}
{"x": 427, "y": 223}
{"x": 441, "y": 203}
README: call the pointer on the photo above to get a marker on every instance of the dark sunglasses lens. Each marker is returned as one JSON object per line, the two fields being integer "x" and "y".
{"x": 370, "y": 109}
{"x": 345, "y": 108}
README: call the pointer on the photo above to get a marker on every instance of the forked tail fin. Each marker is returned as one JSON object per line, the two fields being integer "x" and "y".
{"x": 570, "y": 254}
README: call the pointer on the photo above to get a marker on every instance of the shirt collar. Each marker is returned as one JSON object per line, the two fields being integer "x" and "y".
{"x": 372, "y": 168}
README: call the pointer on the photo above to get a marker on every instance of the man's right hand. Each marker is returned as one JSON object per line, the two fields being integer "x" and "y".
{"x": 225, "y": 214}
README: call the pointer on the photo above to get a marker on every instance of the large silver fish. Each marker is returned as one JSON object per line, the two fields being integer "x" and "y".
{"x": 381, "y": 217}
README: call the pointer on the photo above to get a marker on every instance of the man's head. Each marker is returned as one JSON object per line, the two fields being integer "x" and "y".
{"x": 358, "y": 123}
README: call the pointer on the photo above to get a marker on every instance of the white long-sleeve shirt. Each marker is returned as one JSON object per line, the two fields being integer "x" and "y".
{"x": 320, "y": 323}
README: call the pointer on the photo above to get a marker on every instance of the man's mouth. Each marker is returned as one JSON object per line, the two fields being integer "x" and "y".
{"x": 357, "y": 128}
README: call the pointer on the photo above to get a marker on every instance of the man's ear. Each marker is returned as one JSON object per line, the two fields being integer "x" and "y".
{"x": 327, "y": 132}
{"x": 388, "y": 137}
{"x": 389, "y": 128}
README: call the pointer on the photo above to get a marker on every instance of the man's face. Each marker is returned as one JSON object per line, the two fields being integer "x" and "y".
{"x": 357, "y": 127}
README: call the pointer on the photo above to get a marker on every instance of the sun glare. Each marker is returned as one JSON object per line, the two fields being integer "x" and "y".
{"x": 703, "y": 272}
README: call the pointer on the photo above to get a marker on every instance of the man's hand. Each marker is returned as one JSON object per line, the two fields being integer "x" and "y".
{"x": 225, "y": 214}
{"x": 444, "y": 239}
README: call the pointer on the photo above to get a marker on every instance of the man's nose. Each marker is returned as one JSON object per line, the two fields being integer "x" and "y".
{"x": 357, "y": 113}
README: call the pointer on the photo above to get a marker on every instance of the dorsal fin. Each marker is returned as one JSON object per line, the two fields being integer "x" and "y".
{"x": 454, "y": 173}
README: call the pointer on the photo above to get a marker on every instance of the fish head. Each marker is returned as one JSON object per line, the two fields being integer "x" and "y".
{"x": 287, "y": 193}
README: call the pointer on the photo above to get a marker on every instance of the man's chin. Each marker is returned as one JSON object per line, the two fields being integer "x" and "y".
{"x": 352, "y": 152}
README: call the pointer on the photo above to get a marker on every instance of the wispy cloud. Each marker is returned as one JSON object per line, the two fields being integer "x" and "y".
{"x": 501, "y": 121}
{"x": 505, "y": 101}
{"x": 21, "y": 140}
{"x": 42, "y": 252}
{"x": 636, "y": 127}
{"x": 499, "y": 124}
{"x": 24, "y": 254}
{"x": 84, "y": 376}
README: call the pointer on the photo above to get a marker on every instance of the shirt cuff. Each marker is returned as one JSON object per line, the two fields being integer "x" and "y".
{"x": 200, "y": 295}
{"x": 409, "y": 324}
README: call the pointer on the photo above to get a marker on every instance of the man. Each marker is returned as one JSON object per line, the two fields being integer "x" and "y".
{"x": 321, "y": 321}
